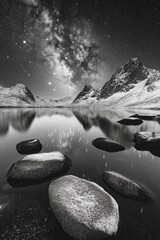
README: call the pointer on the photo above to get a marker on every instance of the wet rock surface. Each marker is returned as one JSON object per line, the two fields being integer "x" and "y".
{"x": 8, "y": 206}
{"x": 131, "y": 121}
{"x": 126, "y": 186}
{"x": 29, "y": 146}
{"x": 144, "y": 117}
{"x": 84, "y": 209}
{"x": 147, "y": 141}
{"x": 37, "y": 168}
{"x": 107, "y": 145}
{"x": 30, "y": 222}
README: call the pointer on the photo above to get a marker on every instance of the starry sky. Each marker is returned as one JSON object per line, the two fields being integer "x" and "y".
{"x": 55, "y": 47}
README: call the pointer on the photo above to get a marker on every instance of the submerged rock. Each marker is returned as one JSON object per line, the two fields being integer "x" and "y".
{"x": 107, "y": 145}
{"x": 29, "y": 146}
{"x": 131, "y": 121}
{"x": 126, "y": 187}
{"x": 147, "y": 141}
{"x": 84, "y": 209}
{"x": 8, "y": 205}
{"x": 37, "y": 168}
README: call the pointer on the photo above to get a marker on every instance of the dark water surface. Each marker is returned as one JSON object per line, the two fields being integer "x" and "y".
{"x": 72, "y": 133}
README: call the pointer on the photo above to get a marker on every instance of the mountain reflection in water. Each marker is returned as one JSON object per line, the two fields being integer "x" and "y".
{"x": 106, "y": 121}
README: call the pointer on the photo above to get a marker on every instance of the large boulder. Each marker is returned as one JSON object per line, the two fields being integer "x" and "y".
{"x": 29, "y": 146}
{"x": 84, "y": 209}
{"x": 131, "y": 121}
{"x": 107, "y": 145}
{"x": 37, "y": 168}
{"x": 147, "y": 141}
{"x": 126, "y": 186}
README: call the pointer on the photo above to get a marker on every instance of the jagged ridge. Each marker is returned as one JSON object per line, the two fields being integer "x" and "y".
{"x": 133, "y": 85}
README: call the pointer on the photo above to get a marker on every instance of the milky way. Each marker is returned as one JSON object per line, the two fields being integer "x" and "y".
{"x": 67, "y": 46}
{"x": 57, "y": 46}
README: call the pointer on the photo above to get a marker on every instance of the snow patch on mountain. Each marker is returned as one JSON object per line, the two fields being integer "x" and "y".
{"x": 132, "y": 86}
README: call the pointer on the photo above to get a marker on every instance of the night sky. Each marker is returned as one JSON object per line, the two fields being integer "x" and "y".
{"x": 54, "y": 47}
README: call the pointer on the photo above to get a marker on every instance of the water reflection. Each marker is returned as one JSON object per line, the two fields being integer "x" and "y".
{"x": 106, "y": 121}
{"x": 20, "y": 120}
{"x": 72, "y": 133}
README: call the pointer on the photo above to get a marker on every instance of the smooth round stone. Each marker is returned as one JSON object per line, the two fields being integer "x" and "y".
{"x": 126, "y": 186}
{"x": 83, "y": 208}
{"x": 107, "y": 145}
{"x": 8, "y": 205}
{"x": 131, "y": 121}
{"x": 37, "y": 168}
{"x": 29, "y": 146}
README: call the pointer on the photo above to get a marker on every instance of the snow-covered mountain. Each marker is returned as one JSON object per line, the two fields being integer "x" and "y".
{"x": 16, "y": 96}
{"x": 133, "y": 85}
{"x": 20, "y": 96}
{"x": 88, "y": 93}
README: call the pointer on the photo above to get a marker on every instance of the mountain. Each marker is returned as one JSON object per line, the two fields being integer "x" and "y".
{"x": 133, "y": 85}
{"x": 20, "y": 96}
{"x": 16, "y": 96}
{"x": 87, "y": 93}
{"x": 125, "y": 78}
{"x": 51, "y": 102}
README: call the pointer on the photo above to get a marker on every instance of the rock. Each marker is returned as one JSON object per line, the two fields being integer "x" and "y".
{"x": 84, "y": 209}
{"x": 155, "y": 152}
{"x": 6, "y": 188}
{"x": 29, "y": 146}
{"x": 131, "y": 121}
{"x": 126, "y": 187}
{"x": 157, "y": 118}
{"x": 37, "y": 168}
{"x": 143, "y": 117}
{"x": 147, "y": 141}
{"x": 107, "y": 145}
{"x": 31, "y": 222}
{"x": 8, "y": 205}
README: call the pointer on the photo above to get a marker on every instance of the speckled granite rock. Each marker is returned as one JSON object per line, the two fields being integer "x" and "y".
{"x": 84, "y": 209}
{"x": 37, "y": 168}
{"x": 126, "y": 187}
{"x": 8, "y": 205}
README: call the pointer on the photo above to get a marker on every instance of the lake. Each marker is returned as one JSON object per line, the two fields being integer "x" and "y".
{"x": 72, "y": 132}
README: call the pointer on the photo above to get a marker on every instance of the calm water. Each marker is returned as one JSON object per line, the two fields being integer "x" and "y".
{"x": 72, "y": 133}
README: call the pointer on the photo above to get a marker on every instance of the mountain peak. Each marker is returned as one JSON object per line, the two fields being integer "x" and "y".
{"x": 125, "y": 78}
{"x": 23, "y": 92}
{"x": 87, "y": 90}
{"x": 88, "y": 87}
{"x": 132, "y": 64}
